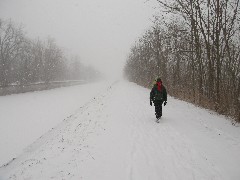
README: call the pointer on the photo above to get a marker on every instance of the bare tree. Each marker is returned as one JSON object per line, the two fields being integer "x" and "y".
{"x": 11, "y": 39}
{"x": 198, "y": 55}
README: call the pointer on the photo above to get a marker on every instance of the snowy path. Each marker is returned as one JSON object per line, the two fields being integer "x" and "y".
{"x": 114, "y": 136}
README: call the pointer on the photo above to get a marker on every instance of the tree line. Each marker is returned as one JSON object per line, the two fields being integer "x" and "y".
{"x": 24, "y": 60}
{"x": 195, "y": 49}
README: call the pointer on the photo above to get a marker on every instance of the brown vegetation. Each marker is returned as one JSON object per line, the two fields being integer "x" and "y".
{"x": 196, "y": 53}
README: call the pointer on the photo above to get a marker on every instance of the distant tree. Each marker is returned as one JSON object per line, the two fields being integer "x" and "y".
{"x": 52, "y": 59}
{"x": 25, "y": 61}
{"x": 76, "y": 68}
{"x": 11, "y": 40}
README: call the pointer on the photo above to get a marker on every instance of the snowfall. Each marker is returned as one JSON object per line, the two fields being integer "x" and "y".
{"x": 107, "y": 131}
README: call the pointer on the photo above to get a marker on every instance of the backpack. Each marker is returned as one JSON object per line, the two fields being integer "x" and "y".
{"x": 158, "y": 94}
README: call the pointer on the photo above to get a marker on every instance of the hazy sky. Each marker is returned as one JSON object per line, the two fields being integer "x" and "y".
{"x": 101, "y": 32}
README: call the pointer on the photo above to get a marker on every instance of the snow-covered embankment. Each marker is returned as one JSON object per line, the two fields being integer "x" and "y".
{"x": 114, "y": 136}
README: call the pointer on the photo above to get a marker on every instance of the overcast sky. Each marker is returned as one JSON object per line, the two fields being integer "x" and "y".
{"x": 101, "y": 32}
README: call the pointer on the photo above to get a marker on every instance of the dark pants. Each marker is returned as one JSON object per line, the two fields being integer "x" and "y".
{"x": 158, "y": 109}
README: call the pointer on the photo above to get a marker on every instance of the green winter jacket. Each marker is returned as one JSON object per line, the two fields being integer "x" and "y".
{"x": 158, "y": 97}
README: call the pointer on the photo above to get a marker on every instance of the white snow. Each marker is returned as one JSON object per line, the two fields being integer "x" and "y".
{"x": 25, "y": 117}
{"x": 115, "y": 136}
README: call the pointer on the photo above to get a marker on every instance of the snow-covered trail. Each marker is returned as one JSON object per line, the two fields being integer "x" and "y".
{"x": 115, "y": 136}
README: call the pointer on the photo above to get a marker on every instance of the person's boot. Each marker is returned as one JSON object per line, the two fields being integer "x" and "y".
{"x": 158, "y": 119}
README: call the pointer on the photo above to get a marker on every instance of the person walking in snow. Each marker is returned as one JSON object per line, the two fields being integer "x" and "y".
{"x": 158, "y": 96}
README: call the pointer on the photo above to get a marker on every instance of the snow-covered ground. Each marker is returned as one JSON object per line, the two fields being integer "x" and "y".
{"x": 115, "y": 136}
{"x": 25, "y": 117}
